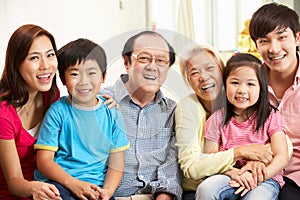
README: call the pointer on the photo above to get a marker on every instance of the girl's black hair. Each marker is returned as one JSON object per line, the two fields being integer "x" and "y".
{"x": 262, "y": 107}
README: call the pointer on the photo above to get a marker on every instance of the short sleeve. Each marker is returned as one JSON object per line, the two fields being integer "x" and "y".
{"x": 213, "y": 127}
{"x": 49, "y": 131}
{"x": 275, "y": 122}
{"x": 9, "y": 122}
{"x": 120, "y": 142}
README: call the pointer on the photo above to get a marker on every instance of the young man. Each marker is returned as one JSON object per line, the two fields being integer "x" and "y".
{"x": 275, "y": 30}
{"x": 81, "y": 142}
{"x": 151, "y": 167}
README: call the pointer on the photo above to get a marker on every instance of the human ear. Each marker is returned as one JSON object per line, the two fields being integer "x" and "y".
{"x": 103, "y": 77}
{"x": 297, "y": 38}
{"x": 126, "y": 62}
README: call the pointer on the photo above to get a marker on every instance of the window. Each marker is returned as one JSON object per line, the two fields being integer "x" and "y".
{"x": 216, "y": 22}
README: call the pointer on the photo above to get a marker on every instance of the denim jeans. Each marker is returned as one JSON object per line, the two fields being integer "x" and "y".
{"x": 66, "y": 194}
{"x": 217, "y": 188}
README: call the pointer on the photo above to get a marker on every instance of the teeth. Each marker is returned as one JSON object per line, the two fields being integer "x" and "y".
{"x": 84, "y": 90}
{"x": 44, "y": 76}
{"x": 241, "y": 98}
{"x": 208, "y": 86}
{"x": 149, "y": 77}
{"x": 277, "y": 58}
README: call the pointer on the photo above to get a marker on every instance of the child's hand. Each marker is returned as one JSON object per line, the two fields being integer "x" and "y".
{"x": 244, "y": 182}
{"x": 110, "y": 101}
{"x": 258, "y": 170}
{"x": 106, "y": 194}
{"x": 84, "y": 190}
{"x": 240, "y": 189}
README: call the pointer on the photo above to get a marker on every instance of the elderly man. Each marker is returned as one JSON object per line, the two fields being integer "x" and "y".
{"x": 151, "y": 167}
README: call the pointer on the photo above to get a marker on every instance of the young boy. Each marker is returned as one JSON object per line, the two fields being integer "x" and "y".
{"x": 275, "y": 29}
{"x": 81, "y": 142}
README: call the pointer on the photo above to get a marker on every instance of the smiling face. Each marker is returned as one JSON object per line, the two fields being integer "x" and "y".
{"x": 278, "y": 49}
{"x": 242, "y": 88}
{"x": 147, "y": 77}
{"x": 204, "y": 76}
{"x": 83, "y": 82}
{"x": 40, "y": 65}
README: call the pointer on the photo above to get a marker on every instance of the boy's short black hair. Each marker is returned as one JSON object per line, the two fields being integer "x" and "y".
{"x": 79, "y": 51}
{"x": 270, "y": 17}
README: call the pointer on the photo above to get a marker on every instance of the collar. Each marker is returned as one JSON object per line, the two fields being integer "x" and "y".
{"x": 297, "y": 76}
{"x": 100, "y": 99}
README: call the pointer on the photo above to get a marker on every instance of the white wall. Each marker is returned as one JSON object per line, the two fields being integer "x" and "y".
{"x": 110, "y": 22}
{"x": 98, "y": 20}
{"x": 106, "y": 22}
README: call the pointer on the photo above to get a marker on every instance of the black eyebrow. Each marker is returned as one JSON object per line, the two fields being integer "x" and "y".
{"x": 35, "y": 52}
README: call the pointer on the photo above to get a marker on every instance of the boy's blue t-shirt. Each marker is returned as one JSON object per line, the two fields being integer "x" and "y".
{"x": 82, "y": 139}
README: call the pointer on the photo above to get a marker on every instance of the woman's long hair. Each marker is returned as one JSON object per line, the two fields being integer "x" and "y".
{"x": 13, "y": 88}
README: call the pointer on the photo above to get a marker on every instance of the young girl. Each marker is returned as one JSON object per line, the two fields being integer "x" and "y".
{"x": 247, "y": 118}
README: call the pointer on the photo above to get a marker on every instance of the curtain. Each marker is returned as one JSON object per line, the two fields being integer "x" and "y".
{"x": 185, "y": 19}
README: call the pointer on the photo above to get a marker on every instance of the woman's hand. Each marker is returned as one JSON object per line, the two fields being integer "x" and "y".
{"x": 110, "y": 101}
{"x": 256, "y": 152}
{"x": 43, "y": 191}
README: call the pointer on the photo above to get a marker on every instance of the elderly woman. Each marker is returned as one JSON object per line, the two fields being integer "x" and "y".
{"x": 202, "y": 70}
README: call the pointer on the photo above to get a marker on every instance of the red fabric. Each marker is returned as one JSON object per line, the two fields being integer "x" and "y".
{"x": 11, "y": 128}
{"x": 47, "y": 102}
